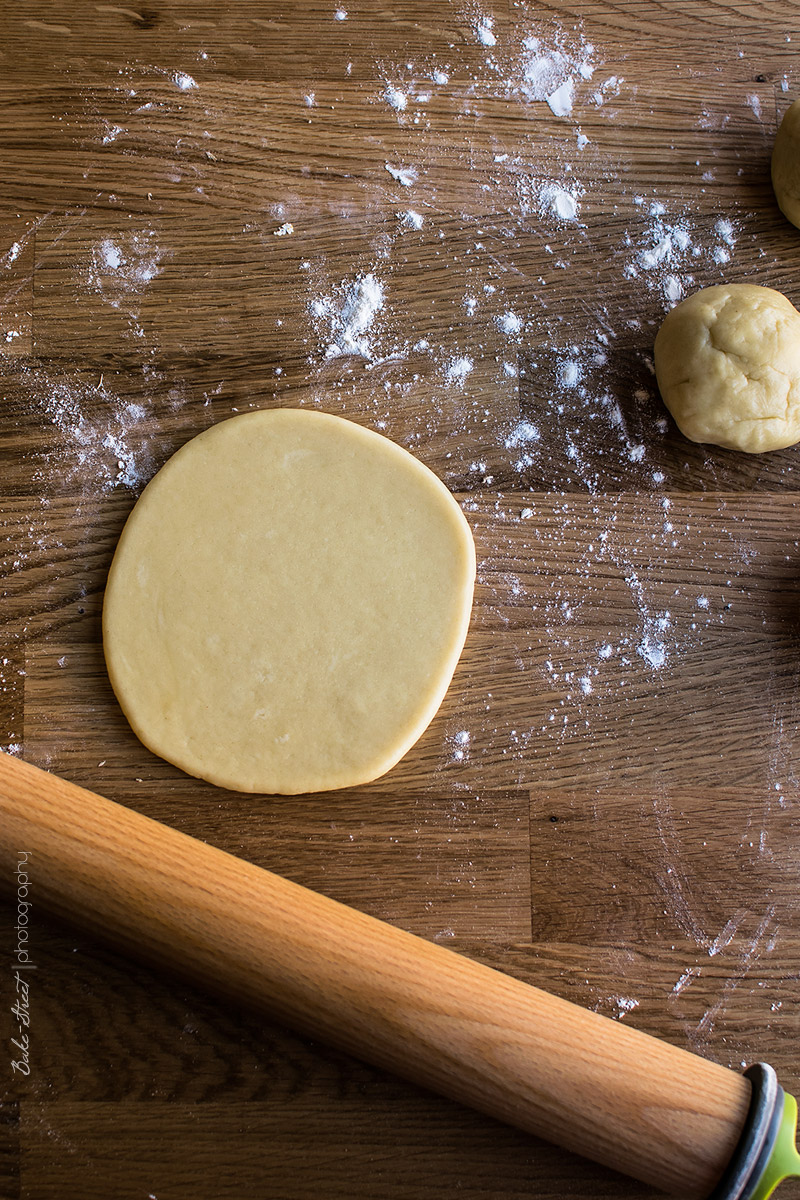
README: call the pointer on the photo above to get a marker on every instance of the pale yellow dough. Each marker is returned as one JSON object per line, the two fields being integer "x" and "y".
{"x": 786, "y": 164}
{"x": 727, "y": 362}
{"x": 287, "y": 603}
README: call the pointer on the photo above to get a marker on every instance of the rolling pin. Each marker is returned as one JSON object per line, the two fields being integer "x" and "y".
{"x": 592, "y": 1085}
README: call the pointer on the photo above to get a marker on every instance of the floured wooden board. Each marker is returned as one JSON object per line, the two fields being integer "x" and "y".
{"x": 460, "y": 228}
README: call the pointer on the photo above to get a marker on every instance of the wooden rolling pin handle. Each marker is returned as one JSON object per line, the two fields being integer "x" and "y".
{"x": 590, "y": 1084}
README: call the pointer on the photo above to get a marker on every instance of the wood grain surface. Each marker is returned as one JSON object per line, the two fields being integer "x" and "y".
{"x": 621, "y": 825}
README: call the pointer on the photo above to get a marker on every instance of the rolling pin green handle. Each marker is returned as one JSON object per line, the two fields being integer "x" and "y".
{"x": 766, "y": 1153}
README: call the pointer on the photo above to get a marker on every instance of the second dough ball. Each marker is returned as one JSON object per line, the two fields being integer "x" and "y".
{"x": 786, "y": 164}
{"x": 727, "y": 362}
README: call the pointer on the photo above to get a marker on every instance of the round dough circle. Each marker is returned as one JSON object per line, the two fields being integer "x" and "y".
{"x": 287, "y": 603}
{"x": 786, "y": 164}
{"x": 727, "y": 362}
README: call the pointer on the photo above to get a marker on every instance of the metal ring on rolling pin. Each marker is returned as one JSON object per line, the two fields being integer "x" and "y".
{"x": 758, "y": 1136}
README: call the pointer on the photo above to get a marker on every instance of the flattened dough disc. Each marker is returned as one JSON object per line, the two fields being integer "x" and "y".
{"x": 287, "y": 603}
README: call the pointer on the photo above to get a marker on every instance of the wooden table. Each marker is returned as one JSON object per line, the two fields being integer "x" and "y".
{"x": 606, "y": 804}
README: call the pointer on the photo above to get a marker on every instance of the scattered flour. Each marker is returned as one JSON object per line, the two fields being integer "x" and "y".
{"x": 551, "y": 69}
{"x": 561, "y": 100}
{"x": 724, "y": 230}
{"x": 347, "y": 317}
{"x": 124, "y": 265}
{"x": 458, "y": 369}
{"x": 524, "y": 439}
{"x": 569, "y": 373}
{"x": 484, "y": 31}
{"x": 754, "y": 103}
{"x": 523, "y": 433}
{"x": 726, "y": 935}
{"x": 405, "y": 176}
{"x": 548, "y": 199}
{"x": 110, "y": 255}
{"x": 559, "y": 201}
{"x": 687, "y": 978}
{"x": 99, "y": 439}
{"x": 651, "y": 649}
{"x": 510, "y": 323}
{"x": 609, "y": 87}
{"x": 411, "y": 219}
{"x": 395, "y": 97}
{"x": 460, "y": 743}
{"x": 667, "y": 251}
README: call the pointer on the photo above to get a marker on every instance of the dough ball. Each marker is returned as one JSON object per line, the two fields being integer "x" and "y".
{"x": 727, "y": 362}
{"x": 287, "y": 603}
{"x": 786, "y": 164}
